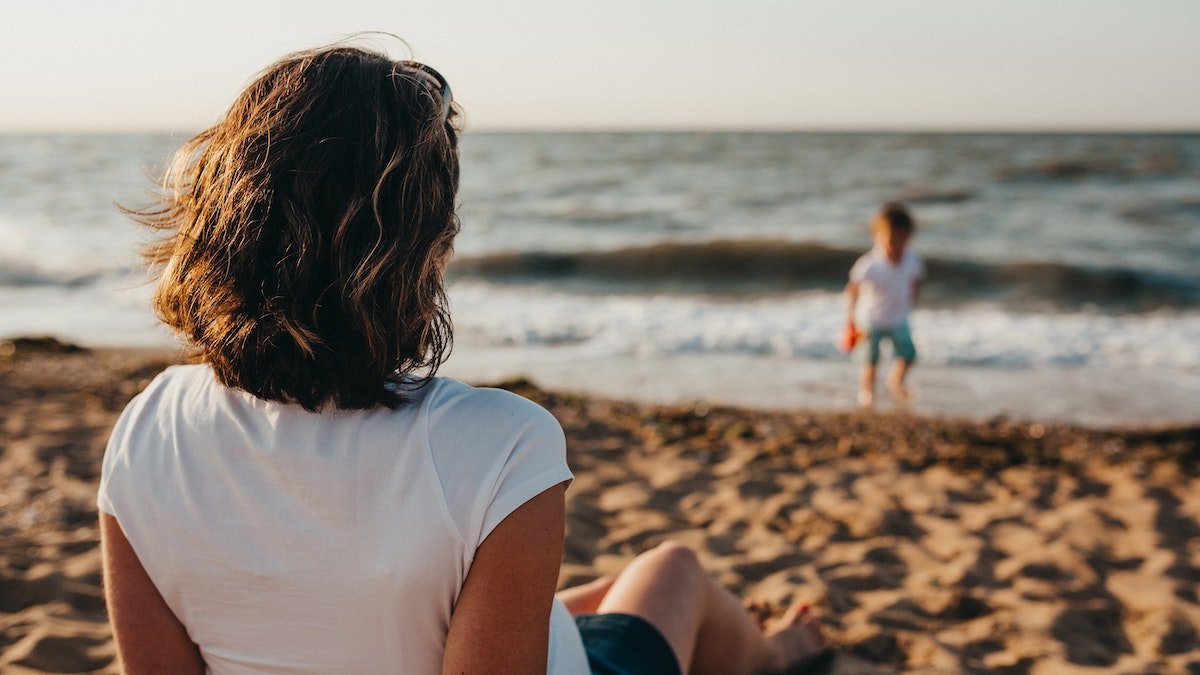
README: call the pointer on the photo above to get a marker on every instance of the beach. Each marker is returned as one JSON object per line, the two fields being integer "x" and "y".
{"x": 928, "y": 544}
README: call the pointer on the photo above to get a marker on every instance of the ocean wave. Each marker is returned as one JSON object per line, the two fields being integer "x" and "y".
{"x": 924, "y": 194}
{"x": 740, "y": 267}
{"x": 16, "y": 273}
{"x": 1158, "y": 164}
{"x": 806, "y": 327}
{"x": 1180, "y": 213}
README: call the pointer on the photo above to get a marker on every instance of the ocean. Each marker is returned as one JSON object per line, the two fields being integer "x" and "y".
{"x": 1063, "y": 269}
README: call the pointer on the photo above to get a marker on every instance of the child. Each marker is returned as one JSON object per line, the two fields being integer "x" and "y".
{"x": 888, "y": 278}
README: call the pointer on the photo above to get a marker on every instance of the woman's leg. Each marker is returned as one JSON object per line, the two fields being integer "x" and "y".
{"x": 585, "y": 598}
{"x": 706, "y": 626}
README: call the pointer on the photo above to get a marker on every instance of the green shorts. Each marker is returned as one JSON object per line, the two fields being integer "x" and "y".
{"x": 900, "y": 337}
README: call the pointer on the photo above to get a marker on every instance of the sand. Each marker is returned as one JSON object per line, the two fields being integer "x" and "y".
{"x": 929, "y": 545}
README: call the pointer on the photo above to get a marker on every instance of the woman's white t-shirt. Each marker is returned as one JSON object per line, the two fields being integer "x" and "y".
{"x": 295, "y": 542}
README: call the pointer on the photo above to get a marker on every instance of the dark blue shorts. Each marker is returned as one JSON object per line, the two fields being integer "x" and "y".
{"x": 624, "y": 644}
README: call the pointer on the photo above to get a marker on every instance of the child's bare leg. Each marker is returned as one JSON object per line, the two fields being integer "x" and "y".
{"x": 706, "y": 626}
{"x": 585, "y": 598}
{"x": 866, "y": 385}
{"x": 896, "y": 380}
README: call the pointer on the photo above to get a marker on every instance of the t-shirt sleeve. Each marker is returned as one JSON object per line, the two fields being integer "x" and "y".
{"x": 536, "y": 463}
{"x": 115, "y": 468}
{"x": 859, "y": 271}
{"x": 918, "y": 267}
{"x": 109, "y": 467}
{"x": 494, "y": 451}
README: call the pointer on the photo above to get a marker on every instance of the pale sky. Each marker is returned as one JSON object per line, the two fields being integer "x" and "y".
{"x": 114, "y": 65}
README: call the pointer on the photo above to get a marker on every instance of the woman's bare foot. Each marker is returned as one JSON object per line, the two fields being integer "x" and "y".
{"x": 759, "y": 612}
{"x": 797, "y": 639}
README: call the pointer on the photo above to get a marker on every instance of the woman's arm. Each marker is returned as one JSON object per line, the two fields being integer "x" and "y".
{"x": 150, "y": 639}
{"x": 501, "y": 623}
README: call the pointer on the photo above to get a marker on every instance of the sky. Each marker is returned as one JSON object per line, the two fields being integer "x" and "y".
{"x": 955, "y": 65}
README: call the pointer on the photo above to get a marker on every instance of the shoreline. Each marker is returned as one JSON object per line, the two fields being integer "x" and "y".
{"x": 928, "y": 545}
{"x": 1095, "y": 398}
{"x": 1115, "y": 400}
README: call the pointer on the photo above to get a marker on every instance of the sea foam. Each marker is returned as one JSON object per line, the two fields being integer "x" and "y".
{"x": 806, "y": 325}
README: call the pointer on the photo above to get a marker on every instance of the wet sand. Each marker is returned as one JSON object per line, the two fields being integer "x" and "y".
{"x": 1095, "y": 396}
{"x": 930, "y": 545}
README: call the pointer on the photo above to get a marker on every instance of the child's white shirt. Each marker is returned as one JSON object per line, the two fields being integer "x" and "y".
{"x": 885, "y": 289}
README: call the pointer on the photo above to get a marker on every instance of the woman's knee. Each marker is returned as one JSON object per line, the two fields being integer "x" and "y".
{"x": 667, "y": 578}
{"x": 665, "y": 573}
{"x": 673, "y": 559}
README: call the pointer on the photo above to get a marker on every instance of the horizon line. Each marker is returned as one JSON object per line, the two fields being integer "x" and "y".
{"x": 697, "y": 129}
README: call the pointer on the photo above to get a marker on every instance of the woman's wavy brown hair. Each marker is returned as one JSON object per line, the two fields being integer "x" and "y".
{"x": 308, "y": 229}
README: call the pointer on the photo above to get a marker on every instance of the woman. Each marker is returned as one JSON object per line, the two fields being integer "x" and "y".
{"x": 308, "y": 497}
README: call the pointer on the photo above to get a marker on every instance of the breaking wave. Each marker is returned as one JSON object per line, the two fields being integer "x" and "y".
{"x": 740, "y": 267}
